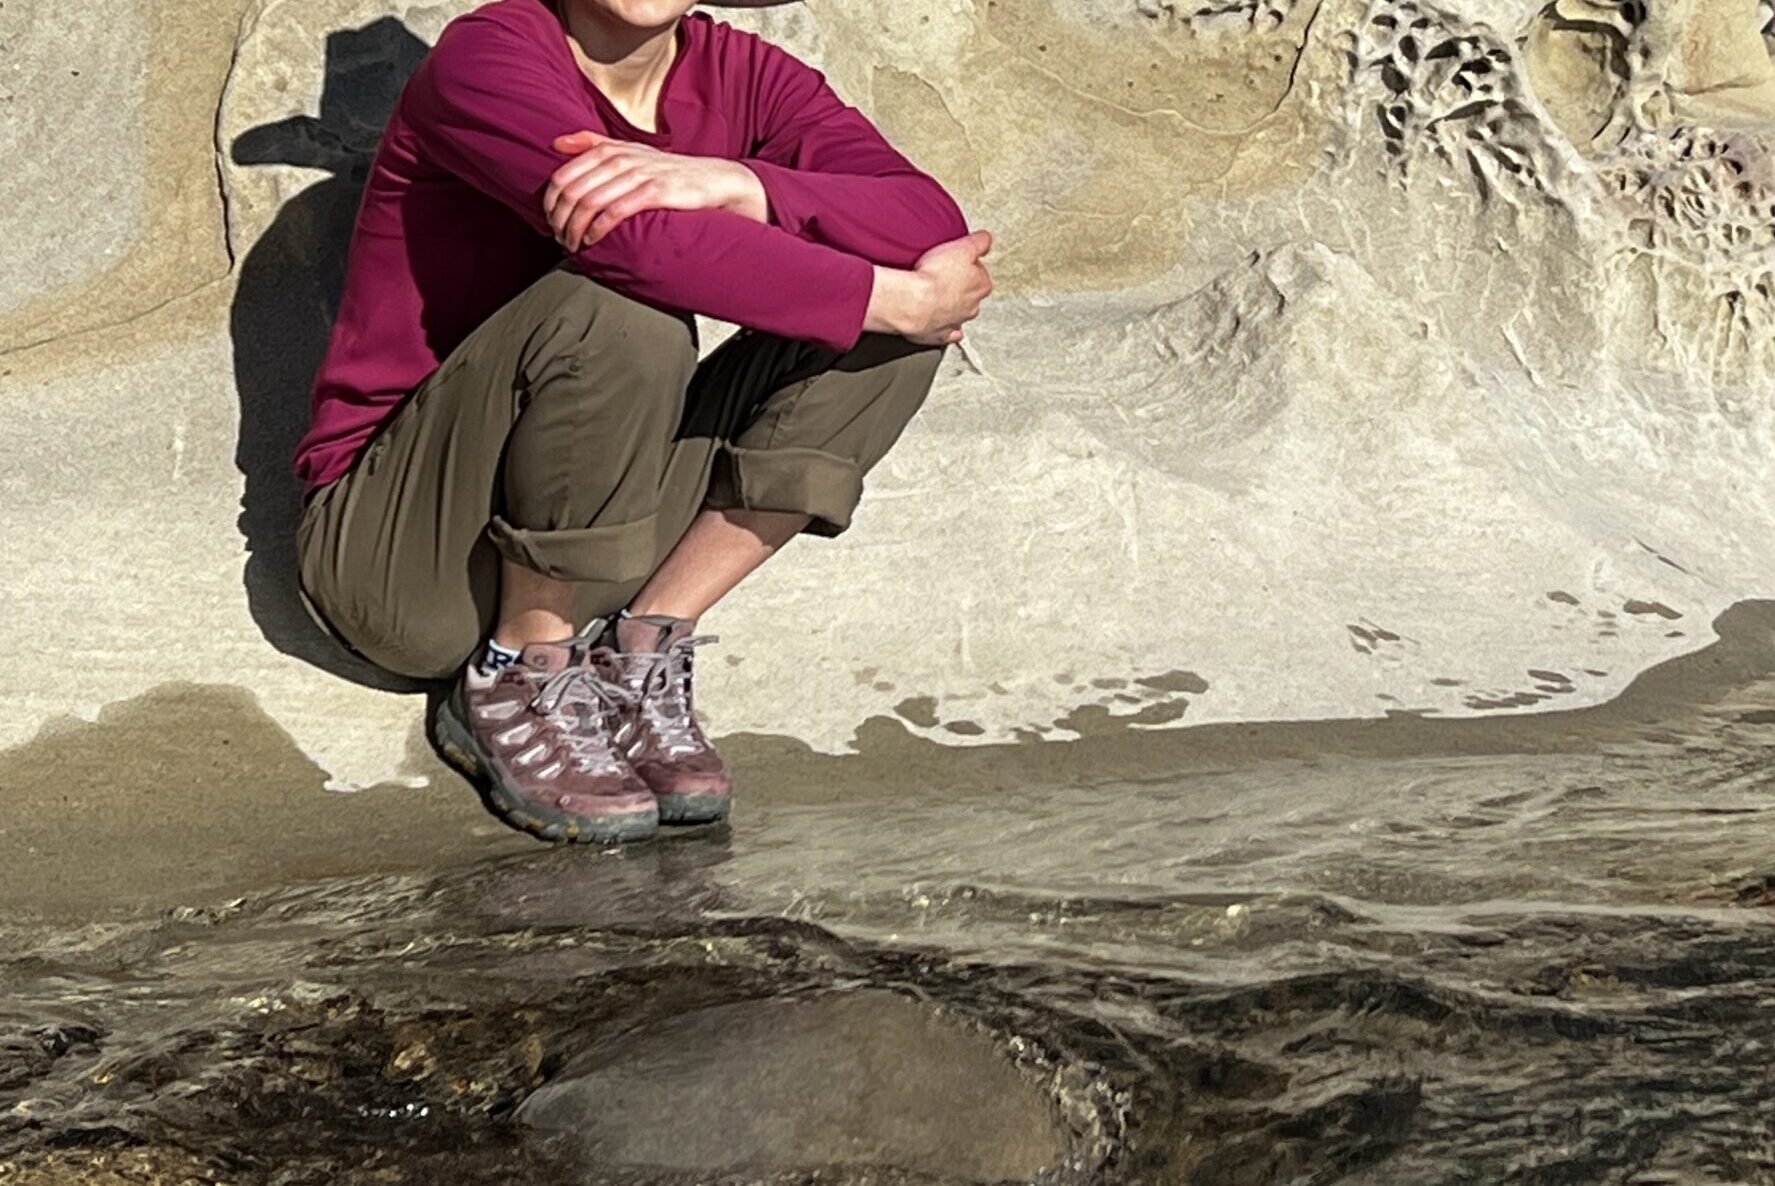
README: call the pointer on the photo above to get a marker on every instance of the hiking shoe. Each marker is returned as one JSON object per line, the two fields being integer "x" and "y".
{"x": 539, "y": 737}
{"x": 665, "y": 742}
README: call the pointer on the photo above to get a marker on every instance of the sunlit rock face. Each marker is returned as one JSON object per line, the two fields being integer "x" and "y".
{"x": 1345, "y": 358}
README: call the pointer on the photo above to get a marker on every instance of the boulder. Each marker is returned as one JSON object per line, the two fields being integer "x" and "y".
{"x": 782, "y": 1084}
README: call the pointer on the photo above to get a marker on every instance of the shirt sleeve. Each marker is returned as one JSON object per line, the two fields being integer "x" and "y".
{"x": 832, "y": 178}
{"x": 486, "y": 105}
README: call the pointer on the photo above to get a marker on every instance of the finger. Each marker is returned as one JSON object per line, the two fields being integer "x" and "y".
{"x": 595, "y": 189}
{"x": 642, "y": 197}
{"x": 586, "y": 212}
{"x": 576, "y": 189}
{"x": 579, "y": 218}
{"x": 604, "y": 151}
{"x": 580, "y": 166}
{"x": 649, "y": 195}
{"x": 590, "y": 205}
{"x": 605, "y": 187}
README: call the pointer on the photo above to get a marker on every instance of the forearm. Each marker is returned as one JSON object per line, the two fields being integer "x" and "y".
{"x": 714, "y": 263}
{"x": 889, "y": 219}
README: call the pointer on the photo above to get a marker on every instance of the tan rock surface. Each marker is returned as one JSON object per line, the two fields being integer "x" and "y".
{"x": 112, "y": 196}
{"x": 1346, "y": 358}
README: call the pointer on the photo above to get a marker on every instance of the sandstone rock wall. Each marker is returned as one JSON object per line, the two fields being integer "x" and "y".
{"x": 1347, "y": 357}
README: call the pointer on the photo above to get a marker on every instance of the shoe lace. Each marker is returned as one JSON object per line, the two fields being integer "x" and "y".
{"x": 587, "y": 733}
{"x": 665, "y": 696}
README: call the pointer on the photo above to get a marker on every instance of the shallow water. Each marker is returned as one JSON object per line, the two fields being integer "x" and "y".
{"x": 1547, "y": 966}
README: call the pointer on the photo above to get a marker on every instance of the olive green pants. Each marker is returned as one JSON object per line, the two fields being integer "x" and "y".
{"x": 576, "y": 433}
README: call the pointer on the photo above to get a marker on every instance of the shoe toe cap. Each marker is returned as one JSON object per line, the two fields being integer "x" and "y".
{"x": 602, "y": 804}
{"x": 676, "y": 780}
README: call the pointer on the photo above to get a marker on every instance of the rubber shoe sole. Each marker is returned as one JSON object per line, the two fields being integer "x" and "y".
{"x": 693, "y": 809}
{"x": 545, "y": 823}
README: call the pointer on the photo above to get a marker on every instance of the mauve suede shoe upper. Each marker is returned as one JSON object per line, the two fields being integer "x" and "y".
{"x": 547, "y": 726}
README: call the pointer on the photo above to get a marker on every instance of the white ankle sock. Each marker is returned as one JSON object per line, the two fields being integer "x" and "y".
{"x": 493, "y": 657}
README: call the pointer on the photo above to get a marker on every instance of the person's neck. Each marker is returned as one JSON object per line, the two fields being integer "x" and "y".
{"x": 628, "y": 64}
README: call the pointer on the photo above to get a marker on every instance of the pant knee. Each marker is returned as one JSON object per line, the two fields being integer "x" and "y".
{"x": 900, "y": 374}
{"x": 613, "y": 381}
{"x": 913, "y": 375}
{"x": 852, "y": 411}
{"x": 599, "y": 403}
{"x": 588, "y": 332}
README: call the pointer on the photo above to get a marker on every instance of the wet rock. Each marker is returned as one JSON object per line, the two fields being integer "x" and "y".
{"x": 869, "y": 1078}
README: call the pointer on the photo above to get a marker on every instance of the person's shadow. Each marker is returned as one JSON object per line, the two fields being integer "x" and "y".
{"x": 283, "y": 309}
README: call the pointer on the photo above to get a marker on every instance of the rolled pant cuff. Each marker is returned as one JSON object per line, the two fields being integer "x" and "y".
{"x": 610, "y": 552}
{"x": 823, "y": 485}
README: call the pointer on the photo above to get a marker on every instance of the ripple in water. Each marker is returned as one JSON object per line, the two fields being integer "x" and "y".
{"x": 1542, "y": 966}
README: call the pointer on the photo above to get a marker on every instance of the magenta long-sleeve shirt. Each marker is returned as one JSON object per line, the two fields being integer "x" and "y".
{"x": 452, "y": 226}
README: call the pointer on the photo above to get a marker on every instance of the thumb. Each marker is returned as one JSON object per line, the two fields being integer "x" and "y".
{"x": 983, "y": 239}
{"x": 577, "y": 141}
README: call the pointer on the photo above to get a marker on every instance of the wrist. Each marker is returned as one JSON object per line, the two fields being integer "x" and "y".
{"x": 746, "y": 194}
{"x": 899, "y": 301}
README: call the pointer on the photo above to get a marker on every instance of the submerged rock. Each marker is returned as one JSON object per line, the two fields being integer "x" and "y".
{"x": 867, "y": 1078}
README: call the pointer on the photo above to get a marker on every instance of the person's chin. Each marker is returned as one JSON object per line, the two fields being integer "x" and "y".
{"x": 644, "y": 14}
